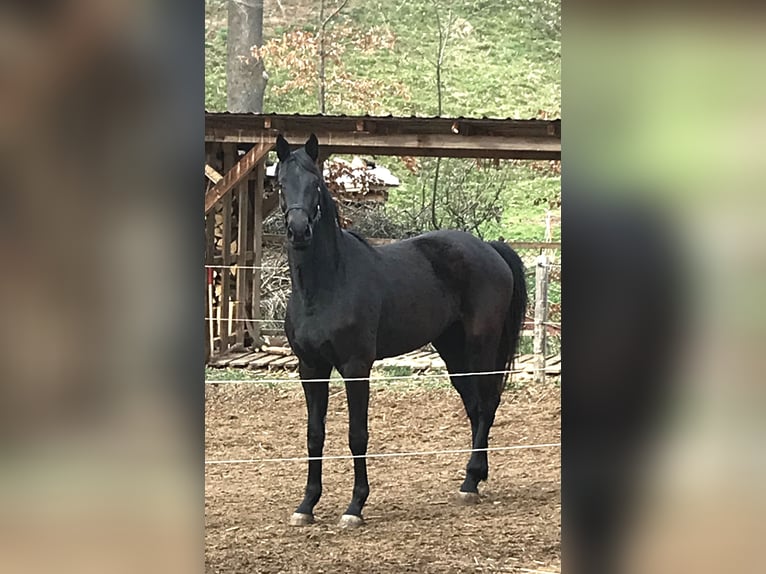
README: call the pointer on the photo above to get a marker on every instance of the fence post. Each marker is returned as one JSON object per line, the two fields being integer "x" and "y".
{"x": 209, "y": 260}
{"x": 255, "y": 303}
{"x": 541, "y": 312}
{"x": 229, "y": 158}
{"x": 242, "y": 273}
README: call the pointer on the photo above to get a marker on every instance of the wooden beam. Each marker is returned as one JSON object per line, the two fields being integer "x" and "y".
{"x": 212, "y": 174}
{"x": 444, "y": 145}
{"x": 236, "y": 174}
{"x": 242, "y": 274}
{"x": 258, "y": 217}
{"x": 229, "y": 155}
{"x": 209, "y": 287}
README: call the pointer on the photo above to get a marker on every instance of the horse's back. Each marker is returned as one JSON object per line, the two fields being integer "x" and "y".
{"x": 434, "y": 280}
{"x": 454, "y": 256}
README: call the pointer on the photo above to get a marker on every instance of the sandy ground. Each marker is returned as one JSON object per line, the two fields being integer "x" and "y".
{"x": 413, "y": 522}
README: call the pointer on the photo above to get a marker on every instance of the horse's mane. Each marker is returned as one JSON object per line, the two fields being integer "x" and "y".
{"x": 360, "y": 237}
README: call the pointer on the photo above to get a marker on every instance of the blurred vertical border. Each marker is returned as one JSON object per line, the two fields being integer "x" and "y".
{"x": 101, "y": 390}
{"x": 663, "y": 400}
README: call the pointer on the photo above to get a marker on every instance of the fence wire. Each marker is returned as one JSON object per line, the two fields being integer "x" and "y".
{"x": 384, "y": 454}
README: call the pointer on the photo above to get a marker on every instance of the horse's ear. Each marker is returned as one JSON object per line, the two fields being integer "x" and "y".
{"x": 312, "y": 147}
{"x": 283, "y": 148}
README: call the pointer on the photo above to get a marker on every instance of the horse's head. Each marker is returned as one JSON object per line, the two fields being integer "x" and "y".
{"x": 300, "y": 183}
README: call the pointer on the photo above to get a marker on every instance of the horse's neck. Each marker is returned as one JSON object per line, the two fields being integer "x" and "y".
{"x": 315, "y": 270}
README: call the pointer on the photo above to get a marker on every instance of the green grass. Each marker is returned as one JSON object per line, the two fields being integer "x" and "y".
{"x": 502, "y": 60}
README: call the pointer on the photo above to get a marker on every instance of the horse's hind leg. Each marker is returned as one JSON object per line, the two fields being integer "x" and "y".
{"x": 316, "y": 404}
{"x": 481, "y": 356}
{"x": 451, "y": 348}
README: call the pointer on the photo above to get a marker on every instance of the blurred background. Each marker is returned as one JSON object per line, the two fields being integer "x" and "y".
{"x": 663, "y": 465}
{"x": 101, "y": 107}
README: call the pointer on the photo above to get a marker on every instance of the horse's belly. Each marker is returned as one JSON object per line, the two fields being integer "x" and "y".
{"x": 408, "y": 327}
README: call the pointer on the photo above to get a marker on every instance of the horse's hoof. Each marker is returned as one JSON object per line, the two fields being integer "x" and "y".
{"x": 300, "y": 519}
{"x": 468, "y": 498}
{"x": 350, "y": 521}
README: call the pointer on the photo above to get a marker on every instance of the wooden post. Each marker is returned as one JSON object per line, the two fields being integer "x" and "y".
{"x": 229, "y": 158}
{"x": 209, "y": 258}
{"x": 242, "y": 274}
{"x": 257, "y": 253}
{"x": 541, "y": 312}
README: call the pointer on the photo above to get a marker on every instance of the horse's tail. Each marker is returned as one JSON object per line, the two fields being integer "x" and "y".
{"x": 515, "y": 319}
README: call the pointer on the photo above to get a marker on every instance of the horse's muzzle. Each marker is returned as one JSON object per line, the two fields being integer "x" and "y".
{"x": 299, "y": 230}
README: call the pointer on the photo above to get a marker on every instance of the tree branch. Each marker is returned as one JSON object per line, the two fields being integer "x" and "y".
{"x": 335, "y": 13}
{"x": 433, "y": 196}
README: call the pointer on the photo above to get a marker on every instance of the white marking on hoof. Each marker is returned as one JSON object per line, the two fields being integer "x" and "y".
{"x": 350, "y": 521}
{"x": 300, "y": 519}
{"x": 468, "y": 498}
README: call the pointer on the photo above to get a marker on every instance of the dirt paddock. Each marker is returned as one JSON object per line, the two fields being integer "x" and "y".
{"x": 413, "y": 522}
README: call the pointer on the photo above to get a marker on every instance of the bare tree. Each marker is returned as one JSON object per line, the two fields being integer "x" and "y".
{"x": 322, "y": 53}
{"x": 444, "y": 33}
{"x": 246, "y": 75}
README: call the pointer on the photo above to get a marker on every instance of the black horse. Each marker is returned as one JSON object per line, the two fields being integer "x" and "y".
{"x": 352, "y": 304}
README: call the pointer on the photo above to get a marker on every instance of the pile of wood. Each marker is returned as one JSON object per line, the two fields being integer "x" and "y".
{"x": 270, "y": 358}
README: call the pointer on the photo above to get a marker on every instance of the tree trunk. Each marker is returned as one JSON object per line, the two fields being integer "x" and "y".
{"x": 322, "y": 84}
{"x": 245, "y": 72}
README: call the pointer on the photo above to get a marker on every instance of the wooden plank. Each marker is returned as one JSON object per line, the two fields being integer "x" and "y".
{"x": 234, "y": 175}
{"x": 242, "y": 274}
{"x": 224, "y": 360}
{"x": 218, "y": 361}
{"x": 282, "y": 351}
{"x": 212, "y": 174}
{"x": 243, "y": 360}
{"x": 263, "y": 361}
{"x": 280, "y": 362}
{"x": 257, "y": 246}
{"x": 209, "y": 257}
{"x": 234, "y": 358}
{"x": 228, "y": 160}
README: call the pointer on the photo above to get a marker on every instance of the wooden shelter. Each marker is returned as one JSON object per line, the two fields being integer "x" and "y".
{"x": 236, "y": 181}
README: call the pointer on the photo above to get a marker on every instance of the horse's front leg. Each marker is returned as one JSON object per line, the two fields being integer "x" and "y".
{"x": 316, "y": 404}
{"x": 358, "y": 395}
